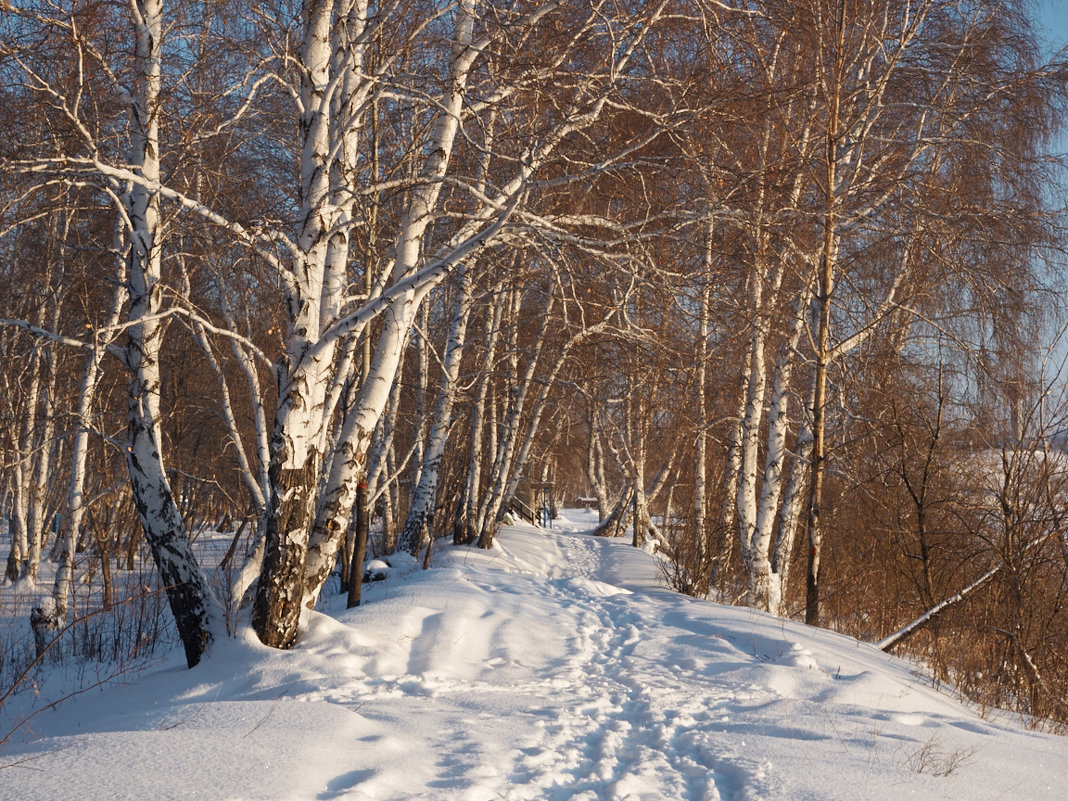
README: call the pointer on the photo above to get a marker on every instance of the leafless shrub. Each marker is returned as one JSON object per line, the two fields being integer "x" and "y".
{"x": 933, "y": 759}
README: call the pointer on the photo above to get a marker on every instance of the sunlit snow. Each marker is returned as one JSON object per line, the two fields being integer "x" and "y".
{"x": 555, "y": 666}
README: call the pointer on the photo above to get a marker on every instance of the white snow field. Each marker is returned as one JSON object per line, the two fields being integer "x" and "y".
{"x": 553, "y": 667}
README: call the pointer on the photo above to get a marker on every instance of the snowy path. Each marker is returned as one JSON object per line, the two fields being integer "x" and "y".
{"x": 630, "y": 731}
{"x": 553, "y": 667}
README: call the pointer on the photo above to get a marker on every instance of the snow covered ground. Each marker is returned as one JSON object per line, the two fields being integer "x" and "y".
{"x": 553, "y": 667}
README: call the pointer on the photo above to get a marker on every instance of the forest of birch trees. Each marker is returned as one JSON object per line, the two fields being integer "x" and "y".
{"x": 776, "y": 285}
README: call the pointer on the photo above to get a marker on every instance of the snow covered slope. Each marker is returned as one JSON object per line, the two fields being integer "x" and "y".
{"x": 553, "y": 667}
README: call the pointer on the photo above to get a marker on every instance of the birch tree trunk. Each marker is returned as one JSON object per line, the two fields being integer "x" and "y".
{"x": 518, "y": 388}
{"x": 519, "y": 430}
{"x": 20, "y": 509}
{"x": 702, "y": 537}
{"x": 30, "y": 446}
{"x": 826, "y": 279}
{"x": 421, "y": 513}
{"x": 412, "y": 278}
{"x": 37, "y": 520}
{"x": 42, "y": 451}
{"x": 753, "y": 555}
{"x": 467, "y": 520}
{"x": 51, "y": 616}
{"x": 297, "y": 439}
{"x": 595, "y": 461}
{"x": 642, "y": 522}
{"x": 766, "y": 583}
{"x": 195, "y": 610}
{"x": 422, "y": 379}
{"x": 348, "y": 461}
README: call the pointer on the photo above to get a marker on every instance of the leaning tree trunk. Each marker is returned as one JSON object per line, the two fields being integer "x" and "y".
{"x": 497, "y": 491}
{"x": 191, "y": 601}
{"x": 614, "y": 523}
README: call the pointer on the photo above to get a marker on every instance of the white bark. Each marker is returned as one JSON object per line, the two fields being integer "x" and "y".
{"x": 595, "y": 461}
{"x": 348, "y": 461}
{"x": 20, "y": 510}
{"x": 504, "y": 473}
{"x": 42, "y": 453}
{"x": 732, "y": 476}
{"x": 421, "y": 512}
{"x": 62, "y": 587}
{"x": 31, "y": 446}
{"x": 700, "y": 456}
{"x": 467, "y": 530}
{"x": 344, "y": 73}
{"x": 641, "y": 522}
{"x": 195, "y": 610}
{"x": 888, "y": 642}
{"x": 765, "y": 584}
{"x": 422, "y": 379}
{"x": 752, "y": 421}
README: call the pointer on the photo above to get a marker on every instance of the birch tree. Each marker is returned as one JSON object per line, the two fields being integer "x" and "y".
{"x": 879, "y": 155}
{"x": 192, "y": 603}
{"x": 421, "y": 512}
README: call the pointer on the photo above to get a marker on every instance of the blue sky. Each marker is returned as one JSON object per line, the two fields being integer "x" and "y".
{"x": 1053, "y": 14}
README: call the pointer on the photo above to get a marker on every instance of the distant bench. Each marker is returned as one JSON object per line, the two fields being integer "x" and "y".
{"x": 586, "y": 503}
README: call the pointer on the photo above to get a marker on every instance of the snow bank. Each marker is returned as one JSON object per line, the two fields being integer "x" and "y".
{"x": 552, "y": 667}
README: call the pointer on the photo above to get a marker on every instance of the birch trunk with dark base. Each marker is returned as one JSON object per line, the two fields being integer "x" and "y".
{"x": 642, "y": 525}
{"x": 46, "y": 625}
{"x": 337, "y": 90}
{"x": 14, "y": 555}
{"x": 280, "y": 590}
{"x": 347, "y": 465}
{"x": 190, "y": 600}
{"x": 186, "y": 587}
{"x": 298, "y": 443}
{"x": 362, "y": 526}
{"x": 333, "y": 514}
{"x": 418, "y": 524}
